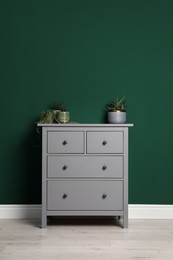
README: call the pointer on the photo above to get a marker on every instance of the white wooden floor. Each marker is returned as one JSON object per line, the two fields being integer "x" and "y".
{"x": 85, "y": 239}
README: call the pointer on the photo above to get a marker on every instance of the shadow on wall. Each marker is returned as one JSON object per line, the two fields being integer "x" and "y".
{"x": 30, "y": 170}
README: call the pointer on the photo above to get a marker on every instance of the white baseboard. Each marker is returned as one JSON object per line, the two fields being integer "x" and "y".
{"x": 143, "y": 211}
{"x": 12, "y": 211}
{"x": 136, "y": 211}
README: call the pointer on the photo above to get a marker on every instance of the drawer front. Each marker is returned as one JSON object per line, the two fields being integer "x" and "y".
{"x": 104, "y": 142}
{"x": 84, "y": 195}
{"x": 85, "y": 166}
{"x": 65, "y": 142}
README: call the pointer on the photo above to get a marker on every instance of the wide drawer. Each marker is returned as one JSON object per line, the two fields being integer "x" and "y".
{"x": 65, "y": 142}
{"x": 85, "y": 166}
{"x": 84, "y": 195}
{"x": 105, "y": 142}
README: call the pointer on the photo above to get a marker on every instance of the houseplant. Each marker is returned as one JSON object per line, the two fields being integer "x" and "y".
{"x": 116, "y": 111}
{"x": 58, "y": 106}
{"x": 62, "y": 116}
{"x": 47, "y": 117}
{"x": 61, "y": 113}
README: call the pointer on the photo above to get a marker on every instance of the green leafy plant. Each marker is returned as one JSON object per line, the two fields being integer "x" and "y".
{"x": 116, "y": 105}
{"x": 50, "y": 116}
{"x": 47, "y": 117}
{"x": 59, "y": 106}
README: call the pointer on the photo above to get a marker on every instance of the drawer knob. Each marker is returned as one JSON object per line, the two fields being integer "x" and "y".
{"x": 104, "y": 196}
{"x": 104, "y": 167}
{"x": 64, "y": 142}
{"x": 104, "y": 142}
{"x": 64, "y": 196}
{"x": 64, "y": 167}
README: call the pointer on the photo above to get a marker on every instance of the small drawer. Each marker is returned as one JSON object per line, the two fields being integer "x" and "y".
{"x": 65, "y": 142}
{"x": 84, "y": 166}
{"x": 84, "y": 195}
{"x": 104, "y": 142}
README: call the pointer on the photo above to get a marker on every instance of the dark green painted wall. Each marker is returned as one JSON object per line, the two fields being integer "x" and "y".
{"x": 87, "y": 53}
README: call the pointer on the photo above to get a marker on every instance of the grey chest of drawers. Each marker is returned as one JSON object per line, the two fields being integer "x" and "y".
{"x": 85, "y": 170}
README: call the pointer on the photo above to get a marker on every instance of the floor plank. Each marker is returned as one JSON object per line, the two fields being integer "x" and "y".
{"x": 85, "y": 239}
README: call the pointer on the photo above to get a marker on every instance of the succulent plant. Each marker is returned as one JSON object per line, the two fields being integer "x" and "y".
{"x": 116, "y": 105}
{"x": 59, "y": 106}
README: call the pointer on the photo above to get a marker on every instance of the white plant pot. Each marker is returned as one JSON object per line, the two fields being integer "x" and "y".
{"x": 56, "y": 111}
{"x": 117, "y": 117}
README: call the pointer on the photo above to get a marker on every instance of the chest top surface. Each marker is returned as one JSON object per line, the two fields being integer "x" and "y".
{"x": 86, "y": 125}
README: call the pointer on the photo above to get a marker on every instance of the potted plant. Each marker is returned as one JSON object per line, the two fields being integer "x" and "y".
{"x": 58, "y": 106}
{"x": 62, "y": 115}
{"x": 116, "y": 111}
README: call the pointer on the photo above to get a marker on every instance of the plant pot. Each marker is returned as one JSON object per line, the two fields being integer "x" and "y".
{"x": 117, "y": 117}
{"x": 63, "y": 117}
{"x": 56, "y": 111}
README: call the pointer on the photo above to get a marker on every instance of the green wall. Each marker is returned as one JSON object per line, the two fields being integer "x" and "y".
{"x": 87, "y": 53}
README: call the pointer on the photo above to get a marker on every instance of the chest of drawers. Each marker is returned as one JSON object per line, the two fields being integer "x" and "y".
{"x": 85, "y": 170}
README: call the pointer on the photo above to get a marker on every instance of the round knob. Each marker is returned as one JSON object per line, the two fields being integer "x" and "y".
{"x": 64, "y": 142}
{"x": 104, "y": 142}
{"x": 64, "y": 196}
{"x": 104, "y": 167}
{"x": 64, "y": 167}
{"x": 104, "y": 196}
